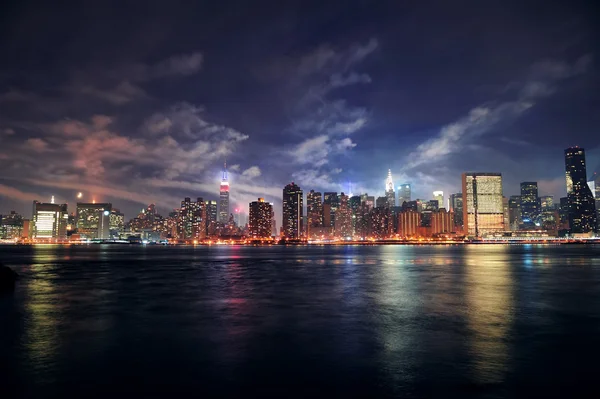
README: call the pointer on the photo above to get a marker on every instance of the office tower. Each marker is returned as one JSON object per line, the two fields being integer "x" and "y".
{"x": 389, "y": 190}
{"x": 11, "y": 226}
{"x": 439, "y": 197}
{"x": 409, "y": 222}
{"x": 482, "y": 203}
{"x": 116, "y": 222}
{"x": 597, "y": 197}
{"x": 224, "y": 197}
{"x": 381, "y": 223}
{"x": 456, "y": 205}
{"x": 260, "y": 224}
{"x": 93, "y": 220}
{"x": 292, "y": 211}
{"x": 381, "y": 202}
{"x": 442, "y": 222}
{"x": 49, "y": 221}
{"x": 514, "y": 213}
{"x": 411, "y": 205}
{"x": 582, "y": 208}
{"x": 314, "y": 210}
{"x": 367, "y": 200}
{"x": 505, "y": 211}
{"x": 547, "y": 203}
{"x": 192, "y": 219}
{"x": 431, "y": 205}
{"x": 327, "y": 216}
{"x": 404, "y": 194}
{"x": 563, "y": 213}
{"x": 212, "y": 217}
{"x": 343, "y": 218}
{"x": 331, "y": 199}
{"x": 529, "y": 204}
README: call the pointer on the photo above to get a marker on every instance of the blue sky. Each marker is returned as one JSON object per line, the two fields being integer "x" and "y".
{"x": 135, "y": 105}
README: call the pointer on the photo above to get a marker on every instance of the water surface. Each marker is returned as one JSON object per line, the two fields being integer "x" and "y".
{"x": 306, "y": 321}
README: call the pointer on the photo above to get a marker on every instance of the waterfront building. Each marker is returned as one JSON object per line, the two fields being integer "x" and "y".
{"x": 192, "y": 219}
{"x": 381, "y": 223}
{"x": 456, "y": 205}
{"x": 514, "y": 212}
{"x": 12, "y": 226}
{"x": 93, "y": 220}
{"x": 314, "y": 211}
{"x": 442, "y": 222}
{"x": 260, "y": 223}
{"x": 212, "y": 217}
{"x": 547, "y": 203}
{"x": 343, "y": 218}
{"x": 482, "y": 202}
{"x": 224, "y": 197}
{"x": 582, "y": 208}
{"x": 530, "y": 207}
{"x": 292, "y": 211}
{"x": 49, "y": 221}
{"x": 409, "y": 222}
{"x": 331, "y": 199}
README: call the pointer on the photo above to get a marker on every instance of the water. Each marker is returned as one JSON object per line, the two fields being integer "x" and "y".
{"x": 401, "y": 321}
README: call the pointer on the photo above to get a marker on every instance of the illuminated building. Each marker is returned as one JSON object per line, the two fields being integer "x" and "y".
{"x": 404, "y": 194}
{"x": 331, "y": 199}
{"x": 439, "y": 197}
{"x": 563, "y": 213}
{"x": 505, "y": 211}
{"x": 547, "y": 203}
{"x": 93, "y": 220}
{"x": 456, "y": 205}
{"x": 192, "y": 219}
{"x": 292, "y": 211}
{"x": 343, "y": 218}
{"x": 582, "y": 208}
{"x": 389, "y": 190}
{"x": 411, "y": 205}
{"x": 49, "y": 221}
{"x": 529, "y": 204}
{"x": 260, "y": 224}
{"x": 368, "y": 200}
{"x": 354, "y": 203}
{"x": 11, "y": 226}
{"x": 116, "y": 222}
{"x": 224, "y": 197}
{"x": 381, "y": 202}
{"x": 381, "y": 223}
{"x": 314, "y": 210}
{"x": 211, "y": 217}
{"x": 442, "y": 222}
{"x": 327, "y": 216}
{"x": 409, "y": 222}
{"x": 514, "y": 212}
{"x": 482, "y": 203}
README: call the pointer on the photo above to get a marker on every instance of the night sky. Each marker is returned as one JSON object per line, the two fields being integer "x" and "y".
{"x": 142, "y": 102}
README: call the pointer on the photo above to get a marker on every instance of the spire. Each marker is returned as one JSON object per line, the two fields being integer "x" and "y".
{"x": 224, "y": 178}
{"x": 389, "y": 184}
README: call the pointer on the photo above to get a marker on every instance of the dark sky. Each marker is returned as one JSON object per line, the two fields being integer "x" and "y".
{"x": 139, "y": 102}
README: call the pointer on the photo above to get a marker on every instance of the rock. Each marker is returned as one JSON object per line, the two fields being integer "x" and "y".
{"x": 8, "y": 278}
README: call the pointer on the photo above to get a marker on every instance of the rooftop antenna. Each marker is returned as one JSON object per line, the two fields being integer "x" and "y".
{"x": 52, "y": 200}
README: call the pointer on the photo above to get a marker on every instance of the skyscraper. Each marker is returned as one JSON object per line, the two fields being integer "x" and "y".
{"x": 314, "y": 210}
{"x": 343, "y": 218}
{"x": 49, "y": 221}
{"x": 93, "y": 220}
{"x": 292, "y": 211}
{"x": 547, "y": 203}
{"x": 530, "y": 207}
{"x": 482, "y": 203}
{"x": 212, "y": 215}
{"x": 192, "y": 220}
{"x": 404, "y": 193}
{"x": 331, "y": 199}
{"x": 514, "y": 213}
{"x": 582, "y": 208}
{"x": 260, "y": 224}
{"x": 224, "y": 197}
{"x": 456, "y": 205}
{"x": 389, "y": 190}
{"x": 439, "y": 197}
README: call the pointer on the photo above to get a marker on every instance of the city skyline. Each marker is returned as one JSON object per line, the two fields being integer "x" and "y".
{"x": 132, "y": 119}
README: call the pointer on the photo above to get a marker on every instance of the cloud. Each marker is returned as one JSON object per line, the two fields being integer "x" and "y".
{"x": 251, "y": 172}
{"x": 339, "y": 80}
{"x": 36, "y": 144}
{"x": 183, "y": 65}
{"x": 14, "y": 95}
{"x": 234, "y": 168}
{"x": 11, "y": 192}
{"x": 7, "y": 132}
{"x": 326, "y": 58}
{"x": 123, "y": 93}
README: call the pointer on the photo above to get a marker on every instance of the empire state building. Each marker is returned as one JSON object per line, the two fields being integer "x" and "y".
{"x": 224, "y": 197}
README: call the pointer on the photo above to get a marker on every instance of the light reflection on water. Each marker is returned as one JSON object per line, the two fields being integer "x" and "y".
{"x": 354, "y": 320}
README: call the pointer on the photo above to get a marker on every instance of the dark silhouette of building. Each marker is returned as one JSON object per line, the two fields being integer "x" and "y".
{"x": 582, "y": 208}
{"x": 530, "y": 204}
{"x": 292, "y": 211}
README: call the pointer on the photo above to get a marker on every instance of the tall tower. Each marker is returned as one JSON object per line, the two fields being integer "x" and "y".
{"x": 292, "y": 211}
{"x": 389, "y": 190}
{"x": 404, "y": 194}
{"x": 483, "y": 205}
{"x": 582, "y": 210}
{"x": 224, "y": 197}
{"x": 530, "y": 206}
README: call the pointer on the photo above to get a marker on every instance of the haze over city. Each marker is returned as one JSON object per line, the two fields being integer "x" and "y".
{"x": 149, "y": 109}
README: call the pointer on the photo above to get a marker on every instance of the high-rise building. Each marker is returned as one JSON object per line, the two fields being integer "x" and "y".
{"x": 292, "y": 211}
{"x": 389, "y": 190}
{"x": 409, "y": 222}
{"x": 116, "y": 222}
{"x": 456, "y": 205}
{"x": 49, "y": 221}
{"x": 439, "y": 197}
{"x": 367, "y": 200}
{"x": 260, "y": 224}
{"x": 381, "y": 223}
{"x": 514, "y": 213}
{"x": 404, "y": 194}
{"x": 505, "y": 211}
{"x": 582, "y": 208}
{"x": 530, "y": 207}
{"x": 482, "y": 203}
{"x": 314, "y": 210}
{"x": 331, "y": 199}
{"x": 93, "y": 220}
{"x": 212, "y": 217}
{"x": 224, "y": 197}
{"x": 563, "y": 213}
{"x": 547, "y": 203}
{"x": 11, "y": 226}
{"x": 381, "y": 202}
{"x": 343, "y": 218}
